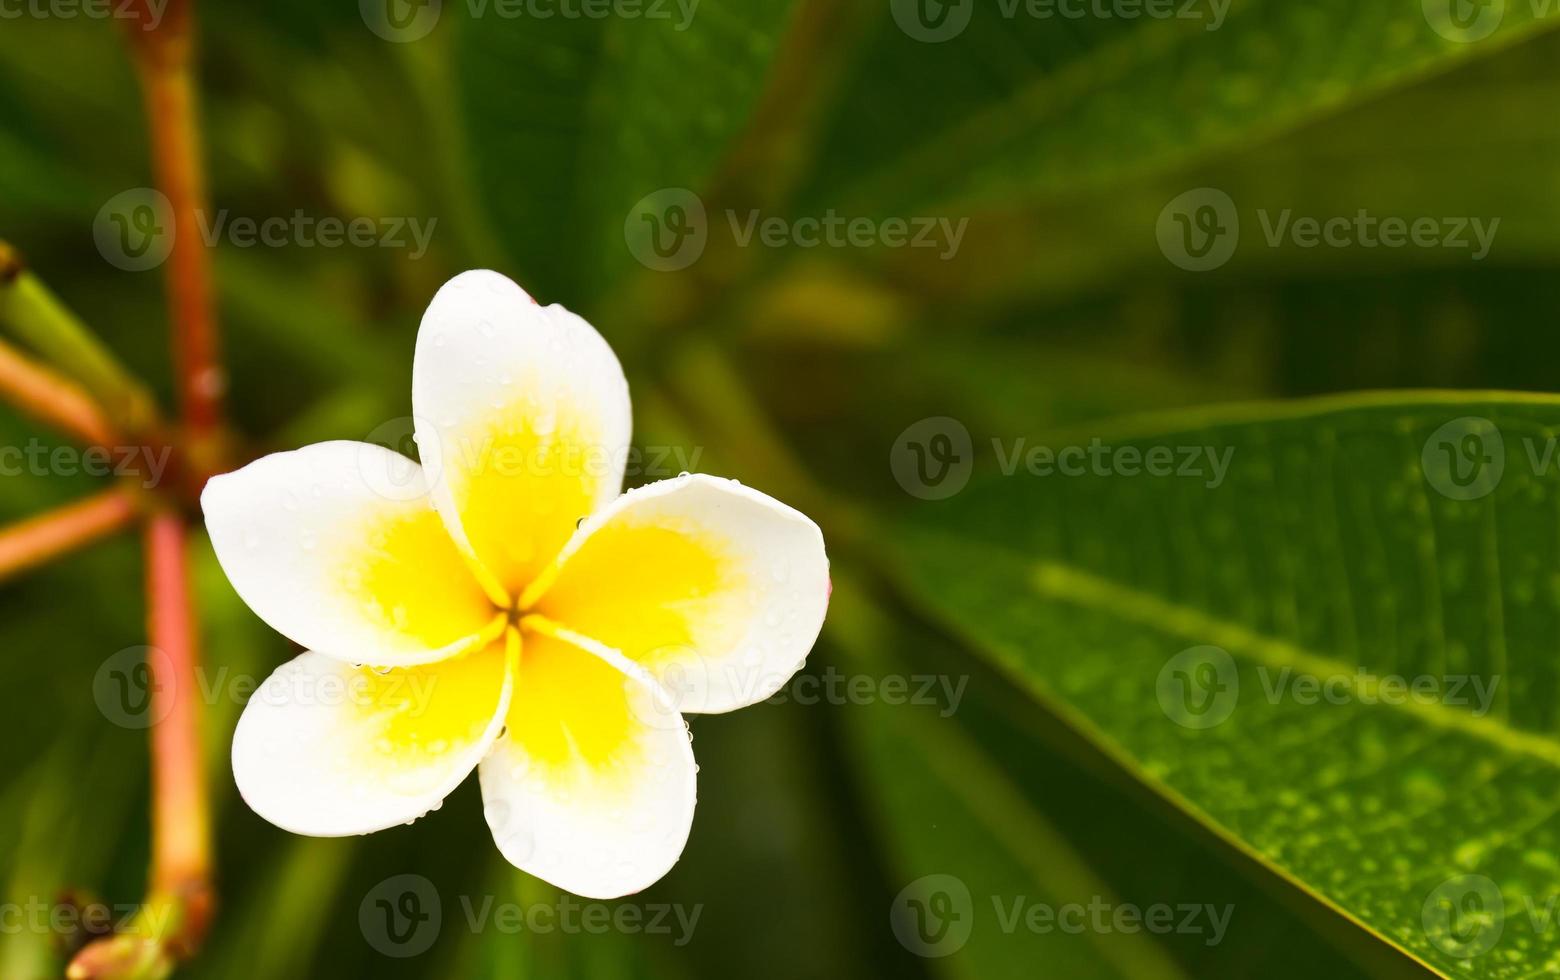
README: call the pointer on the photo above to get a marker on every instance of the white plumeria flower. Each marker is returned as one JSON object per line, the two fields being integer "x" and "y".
{"x": 465, "y": 616}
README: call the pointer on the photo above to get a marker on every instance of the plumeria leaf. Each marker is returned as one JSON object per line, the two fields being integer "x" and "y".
{"x": 683, "y": 86}
{"x": 1014, "y": 107}
{"x": 1337, "y": 650}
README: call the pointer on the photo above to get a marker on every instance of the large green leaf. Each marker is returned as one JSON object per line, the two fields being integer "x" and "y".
{"x": 573, "y": 120}
{"x": 1019, "y": 106}
{"x": 1339, "y": 545}
{"x": 966, "y": 780}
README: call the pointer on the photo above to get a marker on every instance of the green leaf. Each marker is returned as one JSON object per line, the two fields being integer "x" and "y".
{"x": 970, "y": 781}
{"x": 1334, "y": 547}
{"x": 573, "y": 120}
{"x": 1019, "y": 107}
{"x": 532, "y": 944}
{"x": 965, "y": 841}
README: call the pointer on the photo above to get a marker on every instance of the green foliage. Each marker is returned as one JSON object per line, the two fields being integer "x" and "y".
{"x": 1060, "y": 777}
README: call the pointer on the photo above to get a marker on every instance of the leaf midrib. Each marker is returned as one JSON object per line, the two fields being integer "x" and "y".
{"x": 1067, "y": 583}
{"x": 1034, "y": 101}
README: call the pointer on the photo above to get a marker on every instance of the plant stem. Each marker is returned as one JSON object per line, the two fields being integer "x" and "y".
{"x": 163, "y": 59}
{"x": 39, "y": 539}
{"x": 172, "y": 920}
{"x": 51, "y": 399}
{"x": 181, "y": 847}
{"x": 37, "y": 316}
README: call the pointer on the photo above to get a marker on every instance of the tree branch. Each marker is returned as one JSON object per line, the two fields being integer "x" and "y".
{"x": 38, "y": 317}
{"x": 39, "y": 539}
{"x": 163, "y": 58}
{"x": 172, "y": 921}
{"x": 51, "y": 399}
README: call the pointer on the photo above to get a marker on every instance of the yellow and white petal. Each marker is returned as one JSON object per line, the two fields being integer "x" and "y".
{"x": 717, "y": 589}
{"x": 335, "y": 556}
{"x": 592, "y": 785}
{"x": 527, "y": 410}
{"x": 327, "y": 749}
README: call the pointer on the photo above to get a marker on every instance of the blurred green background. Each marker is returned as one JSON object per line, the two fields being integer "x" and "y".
{"x": 529, "y": 140}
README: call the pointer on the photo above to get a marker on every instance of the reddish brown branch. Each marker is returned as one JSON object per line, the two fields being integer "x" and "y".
{"x": 37, "y": 540}
{"x": 173, "y": 919}
{"x": 51, "y": 399}
{"x": 181, "y": 851}
{"x": 163, "y": 57}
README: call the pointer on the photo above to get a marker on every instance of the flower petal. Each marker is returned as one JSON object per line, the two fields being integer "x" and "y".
{"x": 717, "y": 589}
{"x": 336, "y": 547}
{"x": 592, "y": 785}
{"x": 327, "y": 749}
{"x": 527, "y": 409}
